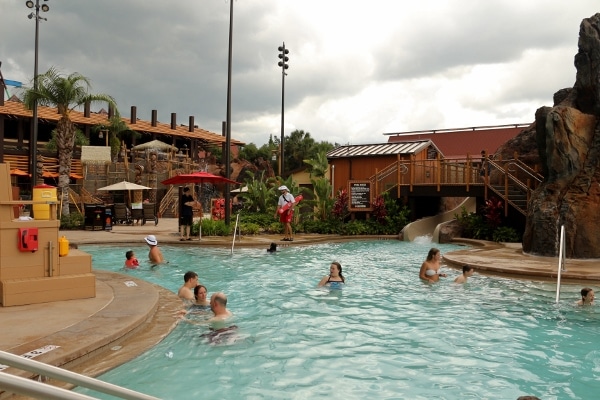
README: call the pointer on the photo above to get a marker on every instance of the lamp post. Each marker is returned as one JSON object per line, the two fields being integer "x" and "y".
{"x": 34, "y": 136}
{"x": 283, "y": 64}
{"x": 228, "y": 122}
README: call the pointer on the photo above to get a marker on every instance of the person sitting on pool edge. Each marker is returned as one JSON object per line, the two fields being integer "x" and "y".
{"x": 131, "y": 262}
{"x": 430, "y": 269}
{"x": 154, "y": 255}
{"x": 587, "y": 297}
{"x": 335, "y": 279}
{"x": 467, "y": 272}
{"x": 186, "y": 291}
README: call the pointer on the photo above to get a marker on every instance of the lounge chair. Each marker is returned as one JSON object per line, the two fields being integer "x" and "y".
{"x": 121, "y": 214}
{"x": 149, "y": 213}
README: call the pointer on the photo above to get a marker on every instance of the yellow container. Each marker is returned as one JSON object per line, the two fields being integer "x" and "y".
{"x": 43, "y": 193}
{"x": 63, "y": 246}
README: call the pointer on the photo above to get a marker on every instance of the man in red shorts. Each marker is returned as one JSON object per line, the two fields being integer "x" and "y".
{"x": 286, "y": 217}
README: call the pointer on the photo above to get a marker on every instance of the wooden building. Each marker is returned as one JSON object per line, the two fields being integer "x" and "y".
{"x": 370, "y": 169}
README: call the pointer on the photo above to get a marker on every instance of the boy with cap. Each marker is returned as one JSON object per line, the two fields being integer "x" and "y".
{"x": 155, "y": 255}
{"x": 286, "y": 217}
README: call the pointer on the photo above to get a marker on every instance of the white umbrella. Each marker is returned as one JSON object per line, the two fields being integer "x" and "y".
{"x": 155, "y": 144}
{"x": 124, "y": 186}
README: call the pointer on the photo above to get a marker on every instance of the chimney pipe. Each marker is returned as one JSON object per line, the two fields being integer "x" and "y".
{"x": 154, "y": 117}
{"x": 173, "y": 120}
{"x": 133, "y": 118}
{"x": 191, "y": 129}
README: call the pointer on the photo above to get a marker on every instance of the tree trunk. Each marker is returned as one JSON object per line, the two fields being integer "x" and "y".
{"x": 65, "y": 140}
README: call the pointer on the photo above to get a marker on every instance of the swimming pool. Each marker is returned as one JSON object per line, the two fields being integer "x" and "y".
{"x": 385, "y": 335}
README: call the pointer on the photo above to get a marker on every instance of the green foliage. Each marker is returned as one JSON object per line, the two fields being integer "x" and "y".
{"x": 275, "y": 227}
{"x": 260, "y": 194}
{"x": 249, "y": 229}
{"x": 487, "y": 226}
{"x": 318, "y": 165}
{"x": 322, "y": 203}
{"x": 72, "y": 221}
{"x": 506, "y": 234}
{"x": 473, "y": 225}
{"x": 212, "y": 228}
{"x": 80, "y": 140}
{"x": 340, "y": 206}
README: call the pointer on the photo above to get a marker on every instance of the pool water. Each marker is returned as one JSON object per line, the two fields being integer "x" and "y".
{"x": 386, "y": 335}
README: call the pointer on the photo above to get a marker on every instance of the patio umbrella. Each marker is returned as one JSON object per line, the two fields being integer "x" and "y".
{"x": 18, "y": 172}
{"x": 124, "y": 186}
{"x": 155, "y": 144}
{"x": 197, "y": 177}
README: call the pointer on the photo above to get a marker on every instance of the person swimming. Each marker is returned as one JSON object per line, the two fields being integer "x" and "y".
{"x": 430, "y": 269}
{"x": 272, "y": 248}
{"x": 335, "y": 279}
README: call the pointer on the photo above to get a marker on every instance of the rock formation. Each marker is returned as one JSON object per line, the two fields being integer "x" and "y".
{"x": 567, "y": 137}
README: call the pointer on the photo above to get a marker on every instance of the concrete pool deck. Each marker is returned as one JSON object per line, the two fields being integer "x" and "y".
{"x": 129, "y": 316}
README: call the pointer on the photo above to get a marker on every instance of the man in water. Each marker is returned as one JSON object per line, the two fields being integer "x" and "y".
{"x": 218, "y": 305}
{"x": 186, "y": 291}
{"x": 467, "y": 272}
{"x": 154, "y": 255}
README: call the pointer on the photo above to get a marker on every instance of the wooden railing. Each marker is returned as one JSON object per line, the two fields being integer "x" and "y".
{"x": 167, "y": 201}
{"x": 512, "y": 180}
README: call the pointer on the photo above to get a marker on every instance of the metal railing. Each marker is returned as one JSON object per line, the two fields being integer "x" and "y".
{"x": 40, "y": 390}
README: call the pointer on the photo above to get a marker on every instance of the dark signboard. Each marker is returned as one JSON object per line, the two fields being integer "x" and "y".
{"x": 360, "y": 195}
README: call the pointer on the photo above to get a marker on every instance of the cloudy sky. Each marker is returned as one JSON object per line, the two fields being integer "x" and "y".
{"x": 357, "y": 68}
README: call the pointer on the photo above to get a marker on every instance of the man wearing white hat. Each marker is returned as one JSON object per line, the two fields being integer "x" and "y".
{"x": 155, "y": 255}
{"x": 286, "y": 200}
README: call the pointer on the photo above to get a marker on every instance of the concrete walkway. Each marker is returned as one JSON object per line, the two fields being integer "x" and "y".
{"x": 128, "y": 315}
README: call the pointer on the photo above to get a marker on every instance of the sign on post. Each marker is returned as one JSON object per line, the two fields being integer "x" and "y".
{"x": 360, "y": 196}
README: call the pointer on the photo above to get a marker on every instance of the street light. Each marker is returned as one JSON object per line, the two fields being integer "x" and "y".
{"x": 34, "y": 136}
{"x": 283, "y": 64}
{"x": 228, "y": 122}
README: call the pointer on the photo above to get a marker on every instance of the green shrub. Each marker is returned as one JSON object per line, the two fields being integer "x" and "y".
{"x": 72, "y": 221}
{"x": 212, "y": 228}
{"x": 249, "y": 228}
{"x": 506, "y": 234}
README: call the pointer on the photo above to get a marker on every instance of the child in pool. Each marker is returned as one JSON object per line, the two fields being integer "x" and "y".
{"x": 131, "y": 262}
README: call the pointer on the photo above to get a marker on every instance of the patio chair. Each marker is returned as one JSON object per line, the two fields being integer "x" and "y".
{"x": 137, "y": 215}
{"x": 149, "y": 213}
{"x": 121, "y": 214}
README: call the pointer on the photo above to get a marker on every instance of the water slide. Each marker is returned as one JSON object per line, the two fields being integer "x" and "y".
{"x": 430, "y": 226}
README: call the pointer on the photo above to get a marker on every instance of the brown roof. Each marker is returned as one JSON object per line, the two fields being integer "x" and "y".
{"x": 458, "y": 143}
{"x": 379, "y": 149}
{"x": 12, "y": 108}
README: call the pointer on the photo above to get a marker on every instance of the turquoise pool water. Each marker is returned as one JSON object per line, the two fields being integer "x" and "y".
{"x": 386, "y": 335}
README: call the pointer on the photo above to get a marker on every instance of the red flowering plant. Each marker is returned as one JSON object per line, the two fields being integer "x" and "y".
{"x": 492, "y": 211}
{"x": 379, "y": 210}
{"x": 340, "y": 207}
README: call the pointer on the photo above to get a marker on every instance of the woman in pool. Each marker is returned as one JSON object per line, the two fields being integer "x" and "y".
{"x": 335, "y": 279}
{"x": 430, "y": 269}
{"x": 587, "y": 297}
{"x": 200, "y": 296}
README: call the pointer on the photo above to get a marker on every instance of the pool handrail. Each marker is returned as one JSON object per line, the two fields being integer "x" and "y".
{"x": 237, "y": 220}
{"x": 561, "y": 261}
{"x": 30, "y": 387}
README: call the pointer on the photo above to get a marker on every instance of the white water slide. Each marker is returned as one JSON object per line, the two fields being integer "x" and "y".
{"x": 430, "y": 226}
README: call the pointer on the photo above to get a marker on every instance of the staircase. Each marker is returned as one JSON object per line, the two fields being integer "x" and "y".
{"x": 516, "y": 184}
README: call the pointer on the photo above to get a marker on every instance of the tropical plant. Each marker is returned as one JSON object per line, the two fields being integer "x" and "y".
{"x": 80, "y": 140}
{"x": 340, "y": 206}
{"x": 318, "y": 166}
{"x": 117, "y": 131}
{"x": 379, "y": 211}
{"x": 65, "y": 93}
{"x": 322, "y": 202}
{"x": 260, "y": 193}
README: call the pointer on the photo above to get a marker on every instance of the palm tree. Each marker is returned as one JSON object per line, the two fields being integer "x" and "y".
{"x": 65, "y": 93}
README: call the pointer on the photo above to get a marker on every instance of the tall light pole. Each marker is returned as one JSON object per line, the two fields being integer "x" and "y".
{"x": 283, "y": 64}
{"x": 34, "y": 136}
{"x": 228, "y": 128}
